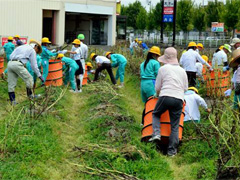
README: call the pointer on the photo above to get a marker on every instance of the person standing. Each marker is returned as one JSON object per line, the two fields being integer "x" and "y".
{"x": 18, "y": 41}
{"x": 171, "y": 83}
{"x": 76, "y": 55}
{"x": 148, "y": 72}
{"x": 199, "y": 47}
{"x": 16, "y": 68}
{"x": 71, "y": 67}
{"x": 102, "y": 63}
{"x": 84, "y": 55}
{"x": 188, "y": 61}
{"x": 46, "y": 55}
{"x": 220, "y": 57}
{"x": 119, "y": 61}
{"x": 8, "y": 48}
{"x": 133, "y": 45}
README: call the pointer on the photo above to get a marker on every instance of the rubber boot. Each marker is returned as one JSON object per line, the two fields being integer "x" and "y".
{"x": 12, "y": 98}
{"x": 78, "y": 85}
{"x": 29, "y": 93}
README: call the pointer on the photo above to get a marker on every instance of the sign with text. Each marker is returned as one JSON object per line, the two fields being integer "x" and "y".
{"x": 4, "y": 40}
{"x": 168, "y": 3}
{"x": 167, "y": 18}
{"x": 217, "y": 27}
{"x": 168, "y": 10}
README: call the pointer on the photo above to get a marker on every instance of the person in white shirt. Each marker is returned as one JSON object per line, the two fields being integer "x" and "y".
{"x": 199, "y": 47}
{"x": 102, "y": 63}
{"x": 193, "y": 101}
{"x": 220, "y": 57}
{"x": 235, "y": 43}
{"x": 188, "y": 61}
{"x": 76, "y": 54}
{"x": 171, "y": 83}
{"x": 84, "y": 49}
{"x": 133, "y": 45}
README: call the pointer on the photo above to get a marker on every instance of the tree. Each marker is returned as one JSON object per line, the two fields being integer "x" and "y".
{"x": 184, "y": 15}
{"x": 141, "y": 21}
{"x": 231, "y": 17}
{"x": 132, "y": 13}
{"x": 214, "y": 12}
{"x": 199, "y": 19}
{"x": 151, "y": 20}
{"x": 157, "y": 12}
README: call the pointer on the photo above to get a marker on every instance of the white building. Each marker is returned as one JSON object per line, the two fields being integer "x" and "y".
{"x": 60, "y": 20}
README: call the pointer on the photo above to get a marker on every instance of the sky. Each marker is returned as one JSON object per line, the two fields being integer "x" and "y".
{"x": 154, "y": 2}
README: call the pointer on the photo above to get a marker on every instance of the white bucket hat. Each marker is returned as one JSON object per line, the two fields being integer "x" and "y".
{"x": 169, "y": 57}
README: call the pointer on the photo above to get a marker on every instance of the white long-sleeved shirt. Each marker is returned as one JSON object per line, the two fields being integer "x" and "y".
{"x": 219, "y": 58}
{"x": 171, "y": 81}
{"x": 26, "y": 53}
{"x": 84, "y": 49}
{"x": 133, "y": 44}
{"x": 193, "y": 101}
{"x": 199, "y": 68}
{"x": 188, "y": 60}
{"x": 78, "y": 54}
{"x": 102, "y": 59}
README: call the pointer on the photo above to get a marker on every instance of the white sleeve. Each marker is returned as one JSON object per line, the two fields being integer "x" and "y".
{"x": 224, "y": 58}
{"x": 86, "y": 53}
{"x": 33, "y": 62}
{"x": 181, "y": 60}
{"x": 201, "y": 101}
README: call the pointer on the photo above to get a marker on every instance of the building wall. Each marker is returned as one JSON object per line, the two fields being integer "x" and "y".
{"x": 24, "y": 17}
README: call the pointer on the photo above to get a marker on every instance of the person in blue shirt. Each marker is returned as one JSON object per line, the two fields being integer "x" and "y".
{"x": 71, "y": 67}
{"x": 8, "y": 48}
{"x": 119, "y": 61}
{"x": 148, "y": 72}
{"x": 46, "y": 55}
{"x": 18, "y": 41}
{"x": 144, "y": 47}
{"x": 29, "y": 68}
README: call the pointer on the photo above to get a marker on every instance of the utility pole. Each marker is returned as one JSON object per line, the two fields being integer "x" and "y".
{"x": 174, "y": 22}
{"x": 162, "y": 24}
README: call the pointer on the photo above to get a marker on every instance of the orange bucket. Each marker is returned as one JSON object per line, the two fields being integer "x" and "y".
{"x": 164, "y": 121}
{"x": 85, "y": 76}
{"x": 218, "y": 82}
{"x": 55, "y": 74}
{"x": 1, "y": 65}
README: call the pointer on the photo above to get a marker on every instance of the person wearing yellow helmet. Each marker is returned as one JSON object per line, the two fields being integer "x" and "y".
{"x": 220, "y": 58}
{"x": 76, "y": 54}
{"x": 199, "y": 47}
{"x": 193, "y": 101}
{"x": 89, "y": 71}
{"x": 144, "y": 47}
{"x": 46, "y": 55}
{"x": 119, "y": 61}
{"x": 148, "y": 73}
{"x": 9, "y": 48}
{"x": 188, "y": 61}
{"x": 102, "y": 63}
{"x": 18, "y": 41}
{"x": 133, "y": 45}
{"x": 70, "y": 67}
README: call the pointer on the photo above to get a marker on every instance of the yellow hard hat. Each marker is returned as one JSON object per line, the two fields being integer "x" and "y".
{"x": 107, "y": 53}
{"x": 200, "y": 45}
{"x": 92, "y": 55}
{"x": 136, "y": 39}
{"x": 155, "y": 50}
{"x": 89, "y": 64}
{"x": 46, "y": 40}
{"x": 76, "y": 41}
{"x": 194, "y": 89}
{"x": 140, "y": 42}
{"x": 205, "y": 58}
{"x": 10, "y": 38}
{"x": 17, "y": 36}
{"x": 192, "y": 44}
{"x": 221, "y": 47}
{"x": 60, "y": 56}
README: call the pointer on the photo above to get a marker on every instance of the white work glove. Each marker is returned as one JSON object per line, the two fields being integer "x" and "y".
{"x": 228, "y": 92}
{"x": 53, "y": 51}
{"x": 62, "y": 52}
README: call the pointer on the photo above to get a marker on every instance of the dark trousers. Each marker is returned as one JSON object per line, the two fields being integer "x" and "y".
{"x": 174, "y": 106}
{"x": 191, "y": 78}
{"x": 108, "y": 67}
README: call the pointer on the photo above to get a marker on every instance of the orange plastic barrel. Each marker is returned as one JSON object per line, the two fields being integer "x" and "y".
{"x": 1, "y": 65}
{"x": 85, "y": 76}
{"x": 218, "y": 82}
{"x": 165, "y": 125}
{"x": 55, "y": 74}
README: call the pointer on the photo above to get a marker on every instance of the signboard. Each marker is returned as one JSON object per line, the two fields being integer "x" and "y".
{"x": 168, "y": 3}
{"x": 167, "y": 18}
{"x": 118, "y": 8}
{"x": 168, "y": 10}
{"x": 217, "y": 27}
{"x": 4, "y": 40}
